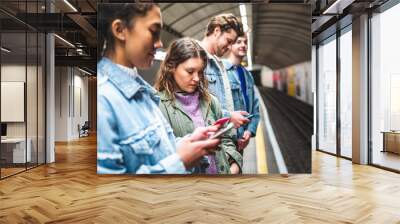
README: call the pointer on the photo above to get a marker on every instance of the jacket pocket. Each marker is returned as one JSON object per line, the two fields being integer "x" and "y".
{"x": 237, "y": 96}
{"x": 143, "y": 144}
{"x": 235, "y": 86}
{"x": 212, "y": 84}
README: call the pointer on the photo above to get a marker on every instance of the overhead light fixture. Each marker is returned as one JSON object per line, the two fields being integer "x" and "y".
{"x": 330, "y": 8}
{"x": 84, "y": 71}
{"x": 245, "y": 24}
{"x": 337, "y": 7}
{"x": 70, "y": 5}
{"x": 242, "y": 9}
{"x": 243, "y": 15}
{"x": 65, "y": 41}
{"x": 5, "y": 50}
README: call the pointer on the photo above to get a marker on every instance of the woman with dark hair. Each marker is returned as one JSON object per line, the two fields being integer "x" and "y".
{"x": 133, "y": 135}
{"x": 186, "y": 103}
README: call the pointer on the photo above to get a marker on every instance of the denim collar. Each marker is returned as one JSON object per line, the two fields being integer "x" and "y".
{"x": 128, "y": 84}
{"x": 228, "y": 65}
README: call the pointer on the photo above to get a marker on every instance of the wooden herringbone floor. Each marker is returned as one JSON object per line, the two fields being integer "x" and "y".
{"x": 70, "y": 191}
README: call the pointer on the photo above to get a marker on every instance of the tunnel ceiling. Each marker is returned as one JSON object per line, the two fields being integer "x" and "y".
{"x": 281, "y": 32}
{"x": 190, "y": 19}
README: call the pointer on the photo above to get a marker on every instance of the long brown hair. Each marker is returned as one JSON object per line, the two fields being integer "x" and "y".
{"x": 179, "y": 51}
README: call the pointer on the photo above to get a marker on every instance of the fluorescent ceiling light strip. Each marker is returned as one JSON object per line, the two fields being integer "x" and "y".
{"x": 86, "y": 72}
{"x": 70, "y": 5}
{"x": 243, "y": 14}
{"x": 245, "y": 25}
{"x": 242, "y": 9}
{"x": 5, "y": 50}
{"x": 64, "y": 40}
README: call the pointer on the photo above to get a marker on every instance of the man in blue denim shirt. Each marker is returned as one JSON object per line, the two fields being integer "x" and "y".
{"x": 242, "y": 86}
{"x": 221, "y": 32}
{"x": 133, "y": 135}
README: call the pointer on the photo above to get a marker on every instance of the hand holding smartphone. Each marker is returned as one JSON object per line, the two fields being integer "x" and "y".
{"x": 222, "y": 131}
{"x": 222, "y": 121}
{"x": 249, "y": 116}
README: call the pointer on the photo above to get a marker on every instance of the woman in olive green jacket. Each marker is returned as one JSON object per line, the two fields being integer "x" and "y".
{"x": 186, "y": 103}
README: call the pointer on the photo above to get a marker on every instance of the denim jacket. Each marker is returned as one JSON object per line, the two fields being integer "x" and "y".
{"x": 133, "y": 135}
{"x": 215, "y": 80}
{"x": 238, "y": 98}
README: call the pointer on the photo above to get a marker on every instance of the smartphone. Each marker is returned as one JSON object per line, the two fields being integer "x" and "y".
{"x": 222, "y": 131}
{"x": 222, "y": 121}
{"x": 249, "y": 116}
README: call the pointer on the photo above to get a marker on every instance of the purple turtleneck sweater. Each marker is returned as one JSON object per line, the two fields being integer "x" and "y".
{"x": 191, "y": 105}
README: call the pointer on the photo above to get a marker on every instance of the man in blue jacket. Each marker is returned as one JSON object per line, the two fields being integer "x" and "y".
{"x": 242, "y": 86}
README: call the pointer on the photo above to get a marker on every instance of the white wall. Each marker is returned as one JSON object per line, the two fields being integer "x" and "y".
{"x": 33, "y": 126}
{"x": 71, "y": 102}
{"x": 12, "y": 100}
{"x": 80, "y": 100}
{"x": 61, "y": 103}
{"x": 16, "y": 73}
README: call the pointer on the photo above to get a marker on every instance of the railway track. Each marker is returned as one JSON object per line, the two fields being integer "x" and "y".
{"x": 292, "y": 122}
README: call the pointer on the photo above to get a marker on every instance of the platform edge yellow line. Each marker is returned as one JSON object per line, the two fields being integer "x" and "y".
{"x": 260, "y": 151}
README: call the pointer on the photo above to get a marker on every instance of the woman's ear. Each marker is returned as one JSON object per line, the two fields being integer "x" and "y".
{"x": 117, "y": 28}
